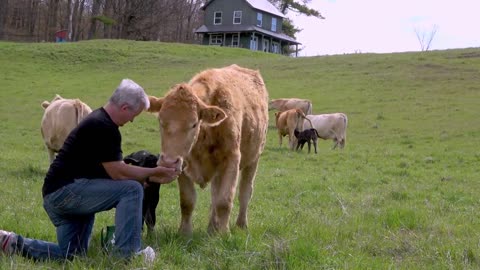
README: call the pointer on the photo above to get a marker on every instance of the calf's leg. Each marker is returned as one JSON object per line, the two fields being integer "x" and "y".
{"x": 150, "y": 202}
{"x": 223, "y": 190}
{"x": 247, "y": 179}
{"x": 188, "y": 197}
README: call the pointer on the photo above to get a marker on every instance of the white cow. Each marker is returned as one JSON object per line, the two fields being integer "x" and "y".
{"x": 60, "y": 117}
{"x": 330, "y": 126}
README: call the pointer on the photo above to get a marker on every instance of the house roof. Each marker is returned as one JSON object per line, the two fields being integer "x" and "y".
{"x": 262, "y": 5}
{"x": 216, "y": 29}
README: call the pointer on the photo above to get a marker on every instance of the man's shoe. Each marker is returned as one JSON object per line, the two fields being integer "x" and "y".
{"x": 8, "y": 240}
{"x": 148, "y": 254}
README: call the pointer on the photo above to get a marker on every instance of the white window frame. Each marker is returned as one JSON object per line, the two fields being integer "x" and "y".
{"x": 274, "y": 24}
{"x": 259, "y": 19}
{"x": 215, "y": 18}
{"x": 236, "y": 40}
{"x": 216, "y": 39}
{"x": 237, "y": 14}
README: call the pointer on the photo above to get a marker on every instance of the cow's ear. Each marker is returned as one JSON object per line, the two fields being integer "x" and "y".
{"x": 155, "y": 104}
{"x": 57, "y": 97}
{"x": 45, "y": 104}
{"x": 212, "y": 115}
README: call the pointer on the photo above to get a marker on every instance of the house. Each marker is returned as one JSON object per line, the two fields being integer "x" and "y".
{"x": 252, "y": 24}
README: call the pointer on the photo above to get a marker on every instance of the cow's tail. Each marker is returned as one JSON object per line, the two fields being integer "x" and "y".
{"x": 344, "y": 135}
{"x": 309, "y": 109}
{"x": 301, "y": 114}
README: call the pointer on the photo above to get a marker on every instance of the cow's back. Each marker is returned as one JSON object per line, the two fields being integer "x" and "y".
{"x": 59, "y": 118}
{"x": 329, "y": 125}
{"x": 242, "y": 94}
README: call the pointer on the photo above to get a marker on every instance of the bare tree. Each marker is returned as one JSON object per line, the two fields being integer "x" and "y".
{"x": 38, "y": 20}
{"x": 425, "y": 39}
{"x": 3, "y": 17}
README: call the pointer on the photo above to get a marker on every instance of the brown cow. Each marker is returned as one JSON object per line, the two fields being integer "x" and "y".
{"x": 330, "y": 126}
{"x": 284, "y": 104}
{"x": 215, "y": 125}
{"x": 286, "y": 123}
{"x": 60, "y": 117}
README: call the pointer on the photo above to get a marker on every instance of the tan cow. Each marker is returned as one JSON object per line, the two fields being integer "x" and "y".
{"x": 284, "y": 104}
{"x": 286, "y": 123}
{"x": 61, "y": 115}
{"x": 330, "y": 126}
{"x": 215, "y": 125}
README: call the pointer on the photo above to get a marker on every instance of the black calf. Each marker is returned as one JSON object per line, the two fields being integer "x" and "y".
{"x": 152, "y": 191}
{"x": 305, "y": 137}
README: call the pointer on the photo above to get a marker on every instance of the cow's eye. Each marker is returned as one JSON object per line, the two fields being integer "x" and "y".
{"x": 194, "y": 125}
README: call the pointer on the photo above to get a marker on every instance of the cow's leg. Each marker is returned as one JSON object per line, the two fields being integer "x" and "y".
{"x": 315, "y": 144}
{"x": 51, "y": 155}
{"x": 188, "y": 197}
{"x": 223, "y": 192}
{"x": 309, "y": 146}
{"x": 280, "y": 137}
{"x": 245, "y": 193}
{"x": 342, "y": 143}
{"x": 335, "y": 140}
{"x": 292, "y": 141}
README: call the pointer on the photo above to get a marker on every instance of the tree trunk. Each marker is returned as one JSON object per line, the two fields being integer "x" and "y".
{"x": 3, "y": 18}
{"x": 93, "y": 22}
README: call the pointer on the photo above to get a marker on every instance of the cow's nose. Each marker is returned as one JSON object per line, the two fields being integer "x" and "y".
{"x": 173, "y": 162}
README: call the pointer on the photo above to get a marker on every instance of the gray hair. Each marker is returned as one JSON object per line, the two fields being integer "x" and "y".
{"x": 132, "y": 94}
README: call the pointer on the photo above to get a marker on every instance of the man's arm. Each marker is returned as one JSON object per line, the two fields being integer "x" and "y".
{"x": 119, "y": 170}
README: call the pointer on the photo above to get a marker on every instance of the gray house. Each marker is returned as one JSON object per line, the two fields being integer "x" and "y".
{"x": 251, "y": 24}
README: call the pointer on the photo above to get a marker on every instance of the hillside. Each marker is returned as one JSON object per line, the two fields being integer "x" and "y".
{"x": 402, "y": 194}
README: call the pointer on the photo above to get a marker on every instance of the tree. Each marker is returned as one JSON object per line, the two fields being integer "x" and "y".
{"x": 299, "y": 7}
{"x": 295, "y": 6}
{"x": 3, "y": 17}
{"x": 425, "y": 39}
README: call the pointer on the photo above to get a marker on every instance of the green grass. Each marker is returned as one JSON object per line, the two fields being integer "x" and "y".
{"x": 403, "y": 194}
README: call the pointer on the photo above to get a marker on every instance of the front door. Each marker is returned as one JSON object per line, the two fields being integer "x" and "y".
{"x": 265, "y": 45}
{"x": 253, "y": 43}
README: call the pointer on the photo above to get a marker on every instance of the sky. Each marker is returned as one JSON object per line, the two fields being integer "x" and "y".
{"x": 385, "y": 26}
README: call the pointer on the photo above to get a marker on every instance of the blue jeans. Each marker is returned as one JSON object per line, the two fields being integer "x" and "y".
{"x": 72, "y": 210}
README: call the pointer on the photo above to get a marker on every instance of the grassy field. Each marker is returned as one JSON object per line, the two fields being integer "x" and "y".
{"x": 403, "y": 194}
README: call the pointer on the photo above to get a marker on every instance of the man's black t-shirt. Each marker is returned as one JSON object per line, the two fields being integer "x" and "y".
{"x": 95, "y": 140}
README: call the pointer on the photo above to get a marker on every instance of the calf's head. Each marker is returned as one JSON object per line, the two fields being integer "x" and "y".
{"x": 181, "y": 115}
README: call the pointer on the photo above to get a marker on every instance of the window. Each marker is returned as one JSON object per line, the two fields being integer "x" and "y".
{"x": 275, "y": 47}
{"x": 235, "y": 42}
{"x": 216, "y": 40}
{"x": 217, "y": 17}
{"x": 259, "y": 19}
{"x": 237, "y": 17}
{"x": 274, "y": 24}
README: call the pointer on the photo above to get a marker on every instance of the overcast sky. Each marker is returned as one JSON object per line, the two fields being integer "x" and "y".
{"x": 383, "y": 26}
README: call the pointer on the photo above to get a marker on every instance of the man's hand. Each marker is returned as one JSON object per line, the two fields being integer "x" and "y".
{"x": 164, "y": 175}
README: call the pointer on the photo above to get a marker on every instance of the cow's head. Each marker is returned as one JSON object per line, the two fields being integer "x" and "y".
{"x": 45, "y": 104}
{"x": 181, "y": 114}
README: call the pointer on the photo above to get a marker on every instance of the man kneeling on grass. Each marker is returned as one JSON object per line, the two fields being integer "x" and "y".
{"x": 89, "y": 176}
